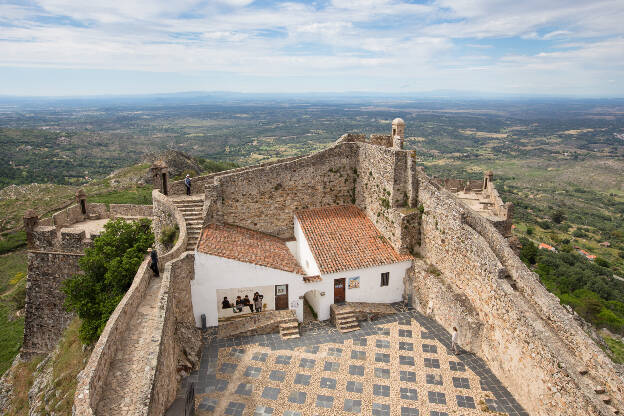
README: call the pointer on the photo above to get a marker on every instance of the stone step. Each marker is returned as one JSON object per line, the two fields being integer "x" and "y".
{"x": 343, "y": 313}
{"x": 292, "y": 324}
{"x": 182, "y": 202}
{"x": 290, "y": 336}
{"x": 350, "y": 329}
{"x": 343, "y": 321}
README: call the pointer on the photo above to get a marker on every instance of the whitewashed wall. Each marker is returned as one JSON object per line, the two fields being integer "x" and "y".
{"x": 370, "y": 289}
{"x": 304, "y": 255}
{"x": 213, "y": 272}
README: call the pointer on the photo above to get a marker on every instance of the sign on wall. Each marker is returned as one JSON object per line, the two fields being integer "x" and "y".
{"x": 354, "y": 282}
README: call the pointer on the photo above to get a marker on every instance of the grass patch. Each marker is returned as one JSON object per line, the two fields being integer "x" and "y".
{"x": 12, "y": 241}
{"x": 23, "y": 378}
{"x": 12, "y": 296}
{"x": 141, "y": 195}
{"x": 11, "y": 265}
{"x": 10, "y": 336}
{"x": 616, "y": 348}
{"x": 66, "y": 365}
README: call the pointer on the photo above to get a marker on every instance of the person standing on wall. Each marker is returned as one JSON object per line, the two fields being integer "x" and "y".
{"x": 154, "y": 264}
{"x": 187, "y": 182}
{"x": 454, "y": 346}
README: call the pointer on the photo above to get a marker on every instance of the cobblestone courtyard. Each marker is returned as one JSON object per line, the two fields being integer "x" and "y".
{"x": 397, "y": 365}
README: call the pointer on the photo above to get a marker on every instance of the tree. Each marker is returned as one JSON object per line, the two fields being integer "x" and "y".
{"x": 558, "y": 216}
{"x": 528, "y": 252}
{"x": 108, "y": 270}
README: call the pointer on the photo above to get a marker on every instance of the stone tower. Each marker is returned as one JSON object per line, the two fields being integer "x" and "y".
{"x": 398, "y": 133}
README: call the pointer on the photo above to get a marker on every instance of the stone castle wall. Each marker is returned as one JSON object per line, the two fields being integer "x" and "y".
{"x": 265, "y": 199}
{"x": 520, "y": 340}
{"x": 53, "y": 254}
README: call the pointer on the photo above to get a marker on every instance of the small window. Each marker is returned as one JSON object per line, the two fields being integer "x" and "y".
{"x": 385, "y": 279}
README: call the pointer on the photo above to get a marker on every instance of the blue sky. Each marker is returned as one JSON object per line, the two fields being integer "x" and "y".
{"x": 78, "y": 47}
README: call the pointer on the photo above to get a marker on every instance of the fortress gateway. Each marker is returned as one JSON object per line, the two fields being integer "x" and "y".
{"x": 348, "y": 231}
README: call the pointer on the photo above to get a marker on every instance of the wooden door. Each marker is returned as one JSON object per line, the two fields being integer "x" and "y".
{"x": 339, "y": 290}
{"x": 164, "y": 183}
{"x": 281, "y": 297}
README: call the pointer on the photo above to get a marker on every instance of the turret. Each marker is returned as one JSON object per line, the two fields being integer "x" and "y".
{"x": 160, "y": 173}
{"x": 398, "y": 133}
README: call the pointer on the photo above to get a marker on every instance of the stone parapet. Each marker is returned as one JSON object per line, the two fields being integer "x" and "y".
{"x": 91, "y": 378}
{"x": 526, "y": 334}
{"x": 165, "y": 213}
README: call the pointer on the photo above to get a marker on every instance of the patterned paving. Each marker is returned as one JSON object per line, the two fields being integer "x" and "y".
{"x": 398, "y": 365}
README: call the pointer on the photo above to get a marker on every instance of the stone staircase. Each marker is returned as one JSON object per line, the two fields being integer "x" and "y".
{"x": 345, "y": 321}
{"x": 289, "y": 329}
{"x": 191, "y": 208}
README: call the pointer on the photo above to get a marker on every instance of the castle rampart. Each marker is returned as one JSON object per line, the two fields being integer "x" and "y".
{"x": 483, "y": 281}
{"x": 54, "y": 247}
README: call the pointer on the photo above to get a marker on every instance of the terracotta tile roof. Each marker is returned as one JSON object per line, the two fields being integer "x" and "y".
{"x": 312, "y": 279}
{"x": 343, "y": 238}
{"x": 243, "y": 244}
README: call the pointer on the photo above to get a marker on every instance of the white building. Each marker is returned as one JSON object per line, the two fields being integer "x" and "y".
{"x": 338, "y": 255}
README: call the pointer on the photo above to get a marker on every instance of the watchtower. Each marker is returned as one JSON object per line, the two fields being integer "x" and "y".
{"x": 31, "y": 220}
{"x": 160, "y": 173}
{"x": 398, "y": 133}
{"x": 81, "y": 198}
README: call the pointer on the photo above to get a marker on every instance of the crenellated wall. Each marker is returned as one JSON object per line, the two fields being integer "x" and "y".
{"x": 53, "y": 254}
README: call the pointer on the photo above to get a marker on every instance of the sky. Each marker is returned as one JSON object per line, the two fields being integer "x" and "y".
{"x": 94, "y": 47}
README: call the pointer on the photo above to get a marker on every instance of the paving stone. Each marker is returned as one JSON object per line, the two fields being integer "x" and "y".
{"x": 385, "y": 332}
{"x": 457, "y": 366}
{"x": 494, "y": 405}
{"x": 352, "y": 406}
{"x": 228, "y": 368}
{"x": 382, "y": 372}
{"x": 283, "y": 359}
{"x": 252, "y": 372}
{"x": 356, "y": 370}
{"x": 382, "y": 343}
{"x": 328, "y": 383}
{"x": 334, "y": 352}
{"x": 409, "y": 394}
{"x": 237, "y": 353}
{"x": 426, "y": 335}
{"x": 406, "y": 360}
{"x": 360, "y": 342}
{"x": 381, "y": 390}
{"x": 380, "y": 409}
{"x": 405, "y": 333}
{"x": 432, "y": 362}
{"x": 216, "y": 385}
{"x": 208, "y": 404}
{"x": 436, "y": 397}
{"x": 270, "y": 393}
{"x": 465, "y": 401}
{"x": 437, "y": 413}
{"x": 303, "y": 379}
{"x": 358, "y": 355}
{"x": 235, "y": 409}
{"x": 298, "y": 397}
{"x": 260, "y": 356}
{"x": 406, "y": 346}
{"x": 461, "y": 382}
{"x": 312, "y": 349}
{"x": 429, "y": 348}
{"x": 263, "y": 411}
{"x": 435, "y": 379}
{"x": 382, "y": 357}
{"x": 408, "y": 376}
{"x": 409, "y": 411}
{"x": 307, "y": 363}
{"x": 331, "y": 366}
{"x": 244, "y": 389}
{"x": 277, "y": 375}
{"x": 292, "y": 413}
{"x": 324, "y": 401}
{"x": 354, "y": 386}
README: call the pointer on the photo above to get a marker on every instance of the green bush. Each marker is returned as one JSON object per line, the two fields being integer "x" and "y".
{"x": 529, "y": 231}
{"x": 169, "y": 236}
{"x": 528, "y": 252}
{"x": 602, "y": 262}
{"x": 109, "y": 268}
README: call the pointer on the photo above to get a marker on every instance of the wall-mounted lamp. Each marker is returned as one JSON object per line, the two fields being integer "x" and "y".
{"x": 322, "y": 293}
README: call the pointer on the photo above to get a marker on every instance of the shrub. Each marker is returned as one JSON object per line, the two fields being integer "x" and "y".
{"x": 12, "y": 241}
{"x": 109, "y": 268}
{"x": 529, "y": 231}
{"x": 169, "y": 236}
{"x": 558, "y": 216}
{"x": 602, "y": 262}
{"x": 528, "y": 252}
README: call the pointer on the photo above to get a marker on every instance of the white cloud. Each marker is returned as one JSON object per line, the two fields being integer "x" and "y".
{"x": 414, "y": 44}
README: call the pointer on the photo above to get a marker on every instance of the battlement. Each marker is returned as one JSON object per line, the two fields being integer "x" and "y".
{"x": 73, "y": 229}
